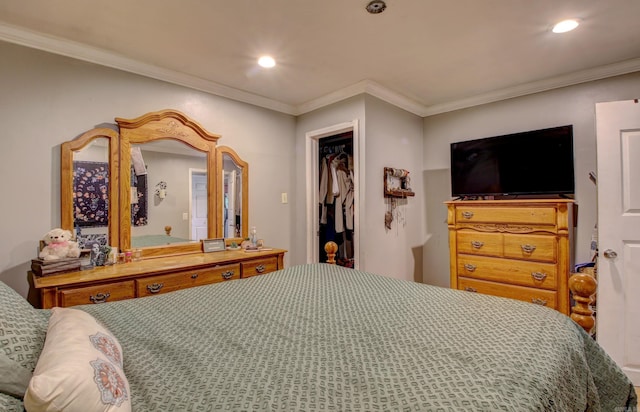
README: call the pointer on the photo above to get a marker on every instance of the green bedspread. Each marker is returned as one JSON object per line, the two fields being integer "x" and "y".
{"x": 321, "y": 337}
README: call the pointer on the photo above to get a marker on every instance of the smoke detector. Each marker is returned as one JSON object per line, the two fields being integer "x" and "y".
{"x": 376, "y": 6}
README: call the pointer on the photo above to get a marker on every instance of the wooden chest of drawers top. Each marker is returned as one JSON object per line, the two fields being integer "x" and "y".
{"x": 156, "y": 266}
{"x": 499, "y": 215}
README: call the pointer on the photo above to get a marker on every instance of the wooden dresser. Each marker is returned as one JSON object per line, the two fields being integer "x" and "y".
{"x": 519, "y": 249}
{"x": 149, "y": 277}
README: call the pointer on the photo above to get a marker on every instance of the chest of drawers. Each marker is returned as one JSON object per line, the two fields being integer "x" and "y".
{"x": 519, "y": 249}
{"x": 150, "y": 277}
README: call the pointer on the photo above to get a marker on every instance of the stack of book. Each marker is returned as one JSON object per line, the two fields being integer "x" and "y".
{"x": 41, "y": 267}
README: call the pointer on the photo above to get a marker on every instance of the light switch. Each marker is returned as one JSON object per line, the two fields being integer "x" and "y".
{"x": 185, "y": 216}
{"x": 284, "y": 197}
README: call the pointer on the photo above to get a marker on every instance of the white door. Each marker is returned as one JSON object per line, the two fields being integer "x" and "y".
{"x": 618, "y": 296}
{"x": 229, "y": 205}
{"x": 198, "y": 205}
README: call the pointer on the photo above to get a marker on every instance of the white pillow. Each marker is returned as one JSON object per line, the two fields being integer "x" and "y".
{"x": 79, "y": 369}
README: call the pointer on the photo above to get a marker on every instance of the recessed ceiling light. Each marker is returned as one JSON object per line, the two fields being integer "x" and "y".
{"x": 266, "y": 62}
{"x": 565, "y": 26}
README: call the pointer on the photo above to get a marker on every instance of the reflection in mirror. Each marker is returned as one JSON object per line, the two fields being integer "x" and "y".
{"x": 231, "y": 197}
{"x": 233, "y": 208}
{"x": 91, "y": 193}
{"x": 168, "y": 211}
{"x": 168, "y": 194}
{"x": 89, "y": 187}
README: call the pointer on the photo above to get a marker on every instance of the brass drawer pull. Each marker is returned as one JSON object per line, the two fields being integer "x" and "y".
{"x": 539, "y": 301}
{"x": 528, "y": 248}
{"x": 476, "y": 244}
{"x": 260, "y": 268}
{"x": 227, "y": 275}
{"x": 469, "y": 267}
{"x": 155, "y": 287}
{"x": 100, "y": 297}
{"x": 467, "y": 214}
{"x": 470, "y": 289}
{"x": 194, "y": 276}
{"x": 539, "y": 276}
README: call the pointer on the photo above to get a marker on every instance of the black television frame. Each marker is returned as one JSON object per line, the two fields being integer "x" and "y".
{"x": 535, "y": 163}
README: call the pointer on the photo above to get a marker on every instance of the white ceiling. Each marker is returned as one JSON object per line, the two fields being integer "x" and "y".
{"x": 427, "y": 56}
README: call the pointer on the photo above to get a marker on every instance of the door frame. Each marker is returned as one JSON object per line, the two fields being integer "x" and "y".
{"x": 312, "y": 139}
{"x": 199, "y": 172}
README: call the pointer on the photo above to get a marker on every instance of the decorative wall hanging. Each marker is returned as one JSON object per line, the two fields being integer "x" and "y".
{"x": 397, "y": 187}
{"x": 139, "y": 199}
{"x": 397, "y": 183}
{"x": 91, "y": 193}
{"x": 161, "y": 189}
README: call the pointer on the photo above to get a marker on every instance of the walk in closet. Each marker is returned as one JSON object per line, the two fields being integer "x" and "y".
{"x": 336, "y": 196}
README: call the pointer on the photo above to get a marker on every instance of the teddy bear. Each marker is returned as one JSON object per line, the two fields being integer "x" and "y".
{"x": 58, "y": 245}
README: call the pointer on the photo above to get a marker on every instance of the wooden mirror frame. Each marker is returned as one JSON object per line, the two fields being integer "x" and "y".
{"x": 221, "y": 151}
{"x": 67, "y": 208}
{"x": 166, "y": 124}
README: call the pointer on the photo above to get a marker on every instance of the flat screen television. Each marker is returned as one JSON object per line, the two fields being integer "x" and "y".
{"x": 536, "y": 162}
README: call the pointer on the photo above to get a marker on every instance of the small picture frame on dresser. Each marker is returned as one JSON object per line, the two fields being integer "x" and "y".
{"x": 213, "y": 245}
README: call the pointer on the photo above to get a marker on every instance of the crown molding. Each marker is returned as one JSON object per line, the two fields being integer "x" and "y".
{"x": 56, "y": 45}
{"x": 583, "y": 76}
{"x": 68, "y": 48}
{"x": 368, "y": 87}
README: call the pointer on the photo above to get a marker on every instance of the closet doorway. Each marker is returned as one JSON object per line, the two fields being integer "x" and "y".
{"x": 332, "y": 193}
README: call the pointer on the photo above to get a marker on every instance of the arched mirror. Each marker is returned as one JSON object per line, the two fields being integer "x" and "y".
{"x": 89, "y": 187}
{"x": 233, "y": 173}
{"x": 167, "y": 198}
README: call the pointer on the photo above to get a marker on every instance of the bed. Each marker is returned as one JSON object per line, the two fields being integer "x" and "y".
{"x": 314, "y": 337}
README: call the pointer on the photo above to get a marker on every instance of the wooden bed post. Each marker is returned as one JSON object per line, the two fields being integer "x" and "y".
{"x": 331, "y": 248}
{"x": 583, "y": 286}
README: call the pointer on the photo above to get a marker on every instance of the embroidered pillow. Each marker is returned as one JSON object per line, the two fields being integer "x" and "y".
{"x": 80, "y": 367}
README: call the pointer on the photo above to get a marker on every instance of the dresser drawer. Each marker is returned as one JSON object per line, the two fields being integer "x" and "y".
{"x": 478, "y": 243}
{"x": 531, "y": 247}
{"x": 259, "y": 266}
{"x": 532, "y": 215}
{"x": 108, "y": 292}
{"x": 516, "y": 272}
{"x": 154, "y": 285}
{"x": 538, "y": 296}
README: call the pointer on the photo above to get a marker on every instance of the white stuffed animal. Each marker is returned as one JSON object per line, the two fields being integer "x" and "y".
{"x": 59, "y": 245}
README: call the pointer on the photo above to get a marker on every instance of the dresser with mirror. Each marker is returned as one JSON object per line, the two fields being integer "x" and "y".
{"x": 158, "y": 184}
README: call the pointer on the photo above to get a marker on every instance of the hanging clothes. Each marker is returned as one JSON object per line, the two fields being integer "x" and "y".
{"x": 336, "y": 198}
{"x": 324, "y": 188}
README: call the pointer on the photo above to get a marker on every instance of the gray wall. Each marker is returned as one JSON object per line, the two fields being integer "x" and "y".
{"x": 48, "y": 99}
{"x": 570, "y": 105}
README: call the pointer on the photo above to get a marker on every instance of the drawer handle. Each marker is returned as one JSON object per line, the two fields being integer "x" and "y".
{"x": 100, "y": 297}
{"x": 528, "y": 248}
{"x": 227, "y": 275}
{"x": 194, "y": 276}
{"x": 539, "y": 276}
{"x": 470, "y": 289}
{"x": 260, "y": 268}
{"x": 538, "y": 301}
{"x": 467, "y": 214}
{"x": 155, "y": 287}
{"x": 476, "y": 244}
{"x": 469, "y": 267}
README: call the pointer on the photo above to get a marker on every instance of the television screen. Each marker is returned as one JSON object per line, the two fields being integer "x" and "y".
{"x": 537, "y": 162}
